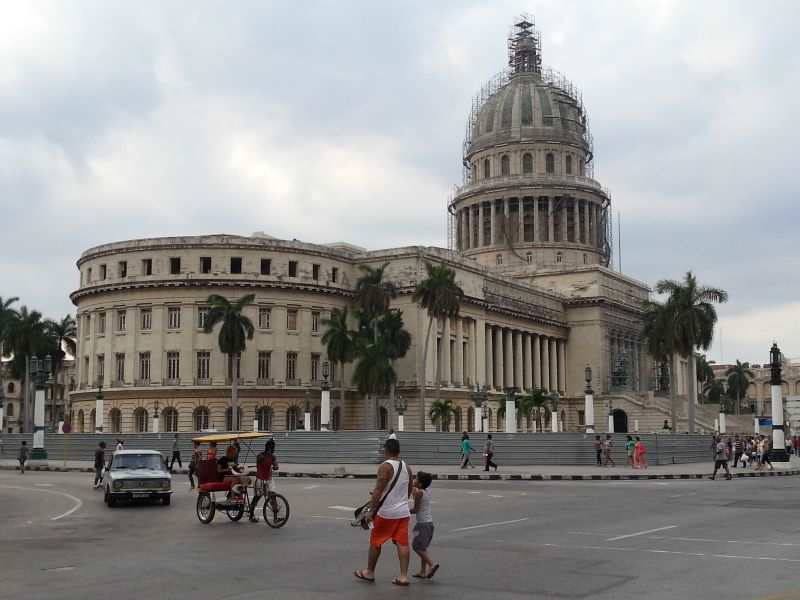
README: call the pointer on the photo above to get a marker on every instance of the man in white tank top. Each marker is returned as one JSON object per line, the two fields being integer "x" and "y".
{"x": 390, "y": 513}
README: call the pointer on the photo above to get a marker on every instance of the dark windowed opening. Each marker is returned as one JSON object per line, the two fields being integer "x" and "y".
{"x": 236, "y": 264}
{"x": 123, "y": 268}
{"x": 487, "y": 169}
{"x": 550, "y": 163}
{"x": 102, "y": 271}
{"x": 334, "y": 274}
{"x": 568, "y": 165}
{"x": 174, "y": 266}
{"x": 147, "y": 266}
{"x": 205, "y": 264}
{"x": 315, "y": 272}
{"x": 527, "y": 163}
{"x": 292, "y": 268}
{"x": 505, "y": 165}
{"x": 266, "y": 266}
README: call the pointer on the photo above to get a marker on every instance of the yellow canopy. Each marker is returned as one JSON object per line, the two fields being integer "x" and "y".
{"x": 229, "y": 437}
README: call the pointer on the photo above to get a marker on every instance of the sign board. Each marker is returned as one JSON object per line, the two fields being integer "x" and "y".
{"x": 765, "y": 422}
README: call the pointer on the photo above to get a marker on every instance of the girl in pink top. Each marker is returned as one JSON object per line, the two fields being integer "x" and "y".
{"x": 640, "y": 453}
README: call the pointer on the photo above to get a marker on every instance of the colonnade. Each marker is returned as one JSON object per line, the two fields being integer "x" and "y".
{"x": 530, "y": 219}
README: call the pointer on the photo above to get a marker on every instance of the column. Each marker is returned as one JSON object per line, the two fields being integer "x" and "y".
{"x": 550, "y": 219}
{"x": 463, "y": 230}
{"x": 526, "y": 361}
{"x": 576, "y": 215}
{"x": 518, "y": 362}
{"x": 562, "y": 365}
{"x": 537, "y": 362}
{"x": 471, "y": 223}
{"x": 585, "y": 219}
{"x": 489, "y": 362}
{"x": 553, "y": 364}
{"x": 564, "y": 217}
{"x": 498, "y": 358}
{"x": 535, "y": 218}
{"x": 520, "y": 219}
{"x": 508, "y": 358}
{"x": 545, "y": 364}
{"x": 478, "y": 339}
{"x": 446, "y": 368}
{"x": 492, "y": 223}
{"x": 481, "y": 241}
{"x": 459, "y": 376}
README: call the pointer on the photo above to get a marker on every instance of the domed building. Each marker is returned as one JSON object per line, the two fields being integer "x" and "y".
{"x": 528, "y": 241}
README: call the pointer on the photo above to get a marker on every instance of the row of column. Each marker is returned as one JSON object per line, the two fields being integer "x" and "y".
{"x": 542, "y": 219}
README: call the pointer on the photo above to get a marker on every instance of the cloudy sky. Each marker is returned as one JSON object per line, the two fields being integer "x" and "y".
{"x": 329, "y": 121}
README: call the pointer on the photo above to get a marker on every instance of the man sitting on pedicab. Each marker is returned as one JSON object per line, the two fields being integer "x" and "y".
{"x": 232, "y": 475}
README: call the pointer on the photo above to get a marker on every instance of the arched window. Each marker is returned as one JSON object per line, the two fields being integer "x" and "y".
{"x": 92, "y": 421}
{"x": 559, "y": 257}
{"x": 140, "y": 420}
{"x": 10, "y": 410}
{"x": 498, "y": 259}
{"x": 170, "y": 419}
{"x": 264, "y": 418}
{"x": 316, "y": 419}
{"x": 470, "y": 419}
{"x": 487, "y": 168}
{"x": 80, "y": 422}
{"x": 292, "y": 418}
{"x": 229, "y": 418}
{"x": 529, "y": 257}
{"x": 568, "y": 165}
{"x": 457, "y": 420}
{"x": 10, "y": 387}
{"x": 336, "y": 419}
{"x": 115, "y": 416}
{"x": 527, "y": 163}
{"x": 505, "y": 165}
{"x": 550, "y": 163}
{"x": 200, "y": 418}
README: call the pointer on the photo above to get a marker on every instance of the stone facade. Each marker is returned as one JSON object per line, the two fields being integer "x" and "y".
{"x": 13, "y": 394}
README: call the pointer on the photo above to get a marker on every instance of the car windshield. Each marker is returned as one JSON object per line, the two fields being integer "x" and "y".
{"x": 137, "y": 461}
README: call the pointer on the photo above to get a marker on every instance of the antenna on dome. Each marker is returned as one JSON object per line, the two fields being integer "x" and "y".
{"x": 525, "y": 47}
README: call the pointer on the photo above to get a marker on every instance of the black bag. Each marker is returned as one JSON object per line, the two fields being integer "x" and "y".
{"x": 360, "y": 514}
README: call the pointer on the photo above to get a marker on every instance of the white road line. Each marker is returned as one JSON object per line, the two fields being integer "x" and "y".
{"x": 347, "y": 508}
{"x": 474, "y": 492}
{"x": 327, "y": 517}
{"x": 43, "y": 484}
{"x": 78, "y": 501}
{"x": 489, "y": 525}
{"x": 638, "y": 533}
{"x": 657, "y": 551}
{"x": 310, "y": 487}
{"x": 710, "y": 541}
{"x": 494, "y": 496}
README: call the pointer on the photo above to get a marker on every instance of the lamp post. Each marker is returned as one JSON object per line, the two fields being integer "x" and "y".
{"x": 610, "y": 416}
{"x": 155, "y": 418}
{"x": 484, "y": 414}
{"x": 400, "y": 405}
{"x": 555, "y": 398}
{"x": 98, "y": 409}
{"x": 479, "y": 396}
{"x": 307, "y": 414}
{"x": 588, "y": 400}
{"x": 511, "y": 409}
{"x": 325, "y": 398}
{"x": 40, "y": 373}
{"x": 722, "y": 423}
{"x": 2, "y": 407}
{"x": 778, "y": 451}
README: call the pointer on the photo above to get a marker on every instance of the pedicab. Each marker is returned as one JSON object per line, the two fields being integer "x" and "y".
{"x": 214, "y": 493}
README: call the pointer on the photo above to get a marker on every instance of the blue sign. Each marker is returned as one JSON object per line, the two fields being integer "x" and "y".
{"x": 765, "y": 422}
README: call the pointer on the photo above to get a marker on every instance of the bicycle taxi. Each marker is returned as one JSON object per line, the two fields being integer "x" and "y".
{"x": 218, "y": 492}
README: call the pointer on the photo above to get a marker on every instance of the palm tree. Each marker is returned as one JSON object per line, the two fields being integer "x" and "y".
{"x": 234, "y": 332}
{"x": 440, "y": 413}
{"x": 373, "y": 374}
{"x": 705, "y": 373}
{"x": 532, "y": 402}
{"x": 25, "y": 336}
{"x": 373, "y": 295}
{"x": 739, "y": 379}
{"x": 441, "y": 296}
{"x": 658, "y": 337}
{"x": 338, "y": 342}
{"x": 62, "y": 334}
{"x": 692, "y": 317}
{"x": 714, "y": 391}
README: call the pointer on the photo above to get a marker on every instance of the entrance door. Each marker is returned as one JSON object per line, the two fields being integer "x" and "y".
{"x": 620, "y": 421}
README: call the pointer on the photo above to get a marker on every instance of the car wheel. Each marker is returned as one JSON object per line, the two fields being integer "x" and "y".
{"x": 165, "y": 500}
{"x": 110, "y": 500}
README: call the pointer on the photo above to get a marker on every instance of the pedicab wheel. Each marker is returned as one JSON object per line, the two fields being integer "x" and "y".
{"x": 235, "y": 512}
{"x": 205, "y": 508}
{"x": 276, "y": 511}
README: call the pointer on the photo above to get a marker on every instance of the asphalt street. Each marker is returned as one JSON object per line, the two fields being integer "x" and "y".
{"x": 625, "y": 539}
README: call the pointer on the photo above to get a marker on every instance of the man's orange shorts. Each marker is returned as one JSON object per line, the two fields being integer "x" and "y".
{"x": 384, "y": 530}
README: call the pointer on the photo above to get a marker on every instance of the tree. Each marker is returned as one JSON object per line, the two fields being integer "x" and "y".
{"x": 373, "y": 295}
{"x": 657, "y": 333}
{"x": 692, "y": 317}
{"x": 533, "y": 402}
{"x": 440, "y": 413}
{"x": 25, "y": 336}
{"x": 235, "y": 330}
{"x": 714, "y": 391}
{"x": 441, "y": 296}
{"x": 373, "y": 374}
{"x": 62, "y": 335}
{"x": 705, "y": 373}
{"x": 740, "y": 377}
{"x": 338, "y": 342}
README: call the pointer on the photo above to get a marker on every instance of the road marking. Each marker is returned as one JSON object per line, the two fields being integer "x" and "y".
{"x": 657, "y": 551}
{"x": 494, "y": 496}
{"x": 328, "y": 517}
{"x": 474, "y": 492}
{"x": 347, "y": 508}
{"x": 638, "y": 533}
{"x": 690, "y": 539}
{"x": 310, "y": 487}
{"x": 43, "y": 484}
{"x": 78, "y": 501}
{"x": 68, "y": 568}
{"x": 490, "y": 525}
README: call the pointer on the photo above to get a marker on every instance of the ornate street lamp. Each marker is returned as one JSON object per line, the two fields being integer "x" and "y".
{"x": 307, "y": 414}
{"x": 155, "y": 417}
{"x": 588, "y": 400}
{"x": 325, "y": 398}
{"x": 98, "y": 409}
{"x": 400, "y": 405}
{"x": 778, "y": 451}
{"x": 39, "y": 371}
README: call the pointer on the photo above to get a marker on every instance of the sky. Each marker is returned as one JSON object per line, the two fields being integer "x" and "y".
{"x": 330, "y": 121}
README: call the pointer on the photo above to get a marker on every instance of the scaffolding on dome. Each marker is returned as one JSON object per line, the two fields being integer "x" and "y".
{"x": 525, "y": 46}
{"x": 451, "y": 222}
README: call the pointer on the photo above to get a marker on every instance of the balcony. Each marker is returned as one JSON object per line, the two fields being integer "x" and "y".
{"x": 202, "y": 381}
{"x": 265, "y": 381}
{"x": 142, "y": 382}
{"x": 523, "y": 180}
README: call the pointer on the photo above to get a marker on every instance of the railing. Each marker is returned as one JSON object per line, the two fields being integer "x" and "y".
{"x": 142, "y": 382}
{"x": 202, "y": 381}
{"x": 265, "y": 381}
{"x": 493, "y": 182}
{"x": 171, "y": 381}
{"x": 293, "y": 382}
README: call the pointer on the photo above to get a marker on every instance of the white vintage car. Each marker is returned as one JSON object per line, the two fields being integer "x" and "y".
{"x": 135, "y": 475}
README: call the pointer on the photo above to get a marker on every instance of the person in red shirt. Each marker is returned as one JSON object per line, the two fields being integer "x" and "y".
{"x": 266, "y": 463}
{"x": 212, "y": 451}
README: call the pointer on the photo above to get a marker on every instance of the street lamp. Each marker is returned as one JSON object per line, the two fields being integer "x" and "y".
{"x": 39, "y": 370}
{"x": 325, "y": 398}
{"x": 98, "y": 409}
{"x": 610, "y": 416}
{"x": 307, "y": 414}
{"x": 588, "y": 400}
{"x": 155, "y": 417}
{"x": 555, "y": 398}
{"x": 479, "y": 396}
{"x": 778, "y": 451}
{"x": 400, "y": 405}
{"x": 2, "y": 406}
{"x": 511, "y": 409}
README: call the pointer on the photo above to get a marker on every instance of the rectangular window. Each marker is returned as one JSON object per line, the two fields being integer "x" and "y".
{"x": 119, "y": 367}
{"x": 314, "y": 321}
{"x": 175, "y": 265}
{"x": 85, "y": 374}
{"x": 334, "y": 274}
{"x": 292, "y": 268}
{"x": 205, "y": 264}
{"x": 87, "y": 326}
{"x": 315, "y": 367}
{"x": 174, "y": 317}
{"x": 202, "y": 316}
{"x": 291, "y": 319}
{"x": 122, "y": 317}
{"x": 89, "y": 275}
{"x": 236, "y": 264}
{"x": 264, "y": 318}
{"x": 144, "y": 366}
{"x": 266, "y": 266}
{"x": 173, "y": 365}
{"x": 147, "y": 266}
{"x": 204, "y": 365}
{"x": 122, "y": 269}
{"x": 263, "y": 365}
{"x": 291, "y": 366}
{"x": 146, "y": 318}
{"x": 101, "y": 368}
{"x": 103, "y": 272}
{"x": 315, "y": 272}
{"x": 101, "y": 322}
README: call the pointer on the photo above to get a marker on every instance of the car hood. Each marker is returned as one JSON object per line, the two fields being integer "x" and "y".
{"x": 138, "y": 474}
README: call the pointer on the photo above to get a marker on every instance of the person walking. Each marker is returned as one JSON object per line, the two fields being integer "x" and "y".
{"x": 99, "y": 464}
{"x": 237, "y": 448}
{"x": 630, "y": 446}
{"x": 488, "y": 453}
{"x": 738, "y": 450}
{"x": 598, "y": 450}
{"x": 466, "y": 449}
{"x": 194, "y": 462}
{"x": 392, "y": 434}
{"x": 389, "y": 514}
{"x": 608, "y": 445}
{"x": 266, "y": 463}
{"x": 23, "y": 456}
{"x": 176, "y": 454}
{"x": 120, "y": 446}
{"x": 640, "y": 453}
{"x": 721, "y": 458}
{"x": 766, "y": 446}
{"x": 423, "y": 527}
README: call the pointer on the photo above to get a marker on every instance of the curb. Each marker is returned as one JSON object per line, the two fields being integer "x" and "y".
{"x": 464, "y": 477}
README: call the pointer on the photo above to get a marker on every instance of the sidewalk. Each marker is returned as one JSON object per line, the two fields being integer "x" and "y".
{"x": 452, "y": 472}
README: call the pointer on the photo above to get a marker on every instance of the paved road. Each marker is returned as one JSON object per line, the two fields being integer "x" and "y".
{"x": 690, "y": 539}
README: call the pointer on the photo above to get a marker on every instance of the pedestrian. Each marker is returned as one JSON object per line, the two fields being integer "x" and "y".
{"x": 640, "y": 453}
{"x": 212, "y": 451}
{"x": 721, "y": 458}
{"x": 598, "y": 450}
{"x": 389, "y": 514}
{"x": 666, "y": 426}
{"x": 237, "y": 448}
{"x": 630, "y": 446}
{"x": 22, "y": 457}
{"x": 120, "y": 446}
{"x": 797, "y": 445}
{"x": 194, "y": 462}
{"x": 392, "y": 434}
{"x": 766, "y": 445}
{"x": 466, "y": 450}
{"x": 738, "y": 450}
{"x": 488, "y": 453}
{"x": 99, "y": 464}
{"x": 266, "y": 463}
{"x": 608, "y": 444}
{"x": 423, "y": 527}
{"x": 176, "y": 454}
